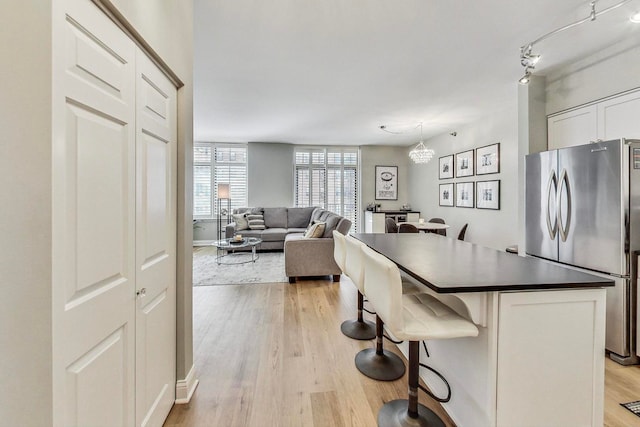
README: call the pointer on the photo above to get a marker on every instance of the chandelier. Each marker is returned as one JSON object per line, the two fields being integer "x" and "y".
{"x": 420, "y": 153}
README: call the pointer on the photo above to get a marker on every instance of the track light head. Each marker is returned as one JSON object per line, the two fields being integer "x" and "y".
{"x": 524, "y": 80}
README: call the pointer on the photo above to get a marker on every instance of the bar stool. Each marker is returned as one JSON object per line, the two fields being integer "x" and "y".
{"x": 359, "y": 328}
{"x": 376, "y": 363}
{"x": 412, "y": 318}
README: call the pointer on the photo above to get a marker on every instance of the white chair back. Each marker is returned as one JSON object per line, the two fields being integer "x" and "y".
{"x": 383, "y": 287}
{"x": 339, "y": 250}
{"x": 354, "y": 262}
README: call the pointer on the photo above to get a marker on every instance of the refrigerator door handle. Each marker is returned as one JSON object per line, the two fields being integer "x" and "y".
{"x": 564, "y": 228}
{"x": 552, "y": 229}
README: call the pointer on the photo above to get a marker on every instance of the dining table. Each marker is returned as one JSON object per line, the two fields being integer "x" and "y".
{"x": 542, "y": 331}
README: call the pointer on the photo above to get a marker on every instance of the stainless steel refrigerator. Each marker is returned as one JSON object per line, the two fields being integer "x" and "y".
{"x": 583, "y": 210}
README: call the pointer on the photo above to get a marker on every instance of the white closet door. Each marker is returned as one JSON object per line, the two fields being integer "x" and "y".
{"x": 93, "y": 184}
{"x": 155, "y": 243}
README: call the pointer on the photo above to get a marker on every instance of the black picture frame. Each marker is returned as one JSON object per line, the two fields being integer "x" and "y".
{"x": 446, "y": 167}
{"x": 446, "y": 195}
{"x": 465, "y": 164}
{"x": 488, "y": 159}
{"x": 488, "y": 194}
{"x": 465, "y": 194}
{"x": 386, "y": 182}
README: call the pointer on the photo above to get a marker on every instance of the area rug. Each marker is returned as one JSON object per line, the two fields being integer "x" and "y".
{"x": 268, "y": 268}
{"x": 633, "y": 407}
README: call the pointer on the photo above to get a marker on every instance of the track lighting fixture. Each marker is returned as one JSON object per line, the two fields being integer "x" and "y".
{"x": 635, "y": 18}
{"x": 529, "y": 60}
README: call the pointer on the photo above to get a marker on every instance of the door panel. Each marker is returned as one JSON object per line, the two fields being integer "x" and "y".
{"x": 155, "y": 243}
{"x": 591, "y": 208}
{"x": 93, "y": 184}
{"x": 540, "y": 214}
{"x": 575, "y": 127}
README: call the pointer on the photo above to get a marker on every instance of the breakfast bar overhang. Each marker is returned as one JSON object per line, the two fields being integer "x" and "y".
{"x": 539, "y": 357}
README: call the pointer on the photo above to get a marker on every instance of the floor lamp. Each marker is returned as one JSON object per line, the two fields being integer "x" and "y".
{"x": 223, "y": 193}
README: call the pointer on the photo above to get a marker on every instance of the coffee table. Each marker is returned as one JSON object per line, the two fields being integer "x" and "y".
{"x": 227, "y": 250}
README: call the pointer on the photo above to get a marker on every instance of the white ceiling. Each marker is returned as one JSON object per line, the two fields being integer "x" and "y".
{"x": 333, "y": 71}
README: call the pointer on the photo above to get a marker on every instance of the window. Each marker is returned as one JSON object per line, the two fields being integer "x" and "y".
{"x": 327, "y": 177}
{"x": 214, "y": 164}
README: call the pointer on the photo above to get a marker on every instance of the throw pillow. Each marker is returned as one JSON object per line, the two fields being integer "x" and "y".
{"x": 256, "y": 222}
{"x": 241, "y": 221}
{"x": 316, "y": 230}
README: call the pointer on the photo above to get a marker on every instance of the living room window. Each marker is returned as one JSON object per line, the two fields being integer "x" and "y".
{"x": 213, "y": 164}
{"x": 327, "y": 177}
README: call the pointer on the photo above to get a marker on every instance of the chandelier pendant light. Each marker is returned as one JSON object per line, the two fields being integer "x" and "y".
{"x": 421, "y": 154}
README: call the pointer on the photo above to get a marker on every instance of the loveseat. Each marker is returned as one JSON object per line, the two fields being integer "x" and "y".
{"x": 284, "y": 228}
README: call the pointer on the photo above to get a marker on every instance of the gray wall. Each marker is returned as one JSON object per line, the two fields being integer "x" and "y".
{"x": 496, "y": 229}
{"x": 25, "y": 171}
{"x": 270, "y": 174}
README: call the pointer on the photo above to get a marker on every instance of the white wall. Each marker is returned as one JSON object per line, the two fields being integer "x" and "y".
{"x": 493, "y": 228}
{"x": 270, "y": 174}
{"x": 25, "y": 215}
{"x": 610, "y": 71}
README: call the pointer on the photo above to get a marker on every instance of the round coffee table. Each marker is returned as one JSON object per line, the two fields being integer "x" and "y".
{"x": 227, "y": 250}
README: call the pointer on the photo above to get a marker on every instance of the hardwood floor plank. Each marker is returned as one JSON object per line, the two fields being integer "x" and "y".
{"x": 273, "y": 355}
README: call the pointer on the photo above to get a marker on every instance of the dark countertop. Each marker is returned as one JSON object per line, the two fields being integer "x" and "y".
{"x": 447, "y": 265}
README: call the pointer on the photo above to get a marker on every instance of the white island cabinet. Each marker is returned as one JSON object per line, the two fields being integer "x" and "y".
{"x": 539, "y": 357}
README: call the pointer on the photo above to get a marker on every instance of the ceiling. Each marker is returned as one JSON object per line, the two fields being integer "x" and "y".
{"x": 333, "y": 71}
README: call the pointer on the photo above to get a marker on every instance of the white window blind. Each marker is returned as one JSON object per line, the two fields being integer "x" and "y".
{"x": 327, "y": 177}
{"x": 215, "y": 164}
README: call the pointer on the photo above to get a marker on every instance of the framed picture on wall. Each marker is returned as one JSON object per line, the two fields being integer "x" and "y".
{"x": 446, "y": 194}
{"x": 386, "y": 183}
{"x": 488, "y": 159}
{"x": 488, "y": 194}
{"x": 464, "y": 164}
{"x": 464, "y": 194}
{"x": 446, "y": 167}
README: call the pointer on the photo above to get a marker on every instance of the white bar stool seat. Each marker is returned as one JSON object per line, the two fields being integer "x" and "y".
{"x": 413, "y": 318}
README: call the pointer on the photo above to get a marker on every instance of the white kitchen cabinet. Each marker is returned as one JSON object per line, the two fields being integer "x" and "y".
{"x": 374, "y": 222}
{"x": 611, "y": 118}
{"x": 575, "y": 127}
{"x": 619, "y": 117}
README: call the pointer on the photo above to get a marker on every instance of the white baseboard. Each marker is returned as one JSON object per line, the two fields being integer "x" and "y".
{"x": 186, "y": 387}
{"x": 203, "y": 242}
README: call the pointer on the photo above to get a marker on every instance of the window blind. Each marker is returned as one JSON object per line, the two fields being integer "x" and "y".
{"x": 327, "y": 177}
{"x": 218, "y": 164}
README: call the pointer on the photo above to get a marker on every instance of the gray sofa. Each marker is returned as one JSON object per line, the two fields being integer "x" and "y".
{"x": 284, "y": 229}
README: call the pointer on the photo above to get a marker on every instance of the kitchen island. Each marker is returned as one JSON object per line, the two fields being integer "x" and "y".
{"x": 539, "y": 357}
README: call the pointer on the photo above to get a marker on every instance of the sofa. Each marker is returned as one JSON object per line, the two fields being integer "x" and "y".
{"x": 284, "y": 229}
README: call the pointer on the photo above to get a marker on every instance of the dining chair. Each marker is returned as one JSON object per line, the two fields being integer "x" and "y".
{"x": 407, "y": 228}
{"x": 390, "y": 225}
{"x": 413, "y": 318}
{"x": 442, "y": 232}
{"x": 463, "y": 231}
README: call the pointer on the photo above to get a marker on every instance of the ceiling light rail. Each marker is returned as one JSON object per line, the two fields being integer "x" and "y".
{"x": 528, "y": 60}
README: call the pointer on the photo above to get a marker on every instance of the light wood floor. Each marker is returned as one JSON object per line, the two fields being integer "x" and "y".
{"x": 273, "y": 355}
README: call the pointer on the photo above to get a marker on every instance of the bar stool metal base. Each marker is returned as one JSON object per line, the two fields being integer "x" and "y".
{"x": 387, "y": 366}
{"x": 396, "y": 414}
{"x": 359, "y": 330}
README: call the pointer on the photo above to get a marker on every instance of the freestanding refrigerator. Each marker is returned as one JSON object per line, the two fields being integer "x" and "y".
{"x": 583, "y": 210}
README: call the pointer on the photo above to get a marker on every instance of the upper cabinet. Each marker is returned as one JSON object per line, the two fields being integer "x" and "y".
{"x": 575, "y": 127}
{"x": 615, "y": 117}
{"x": 619, "y": 117}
